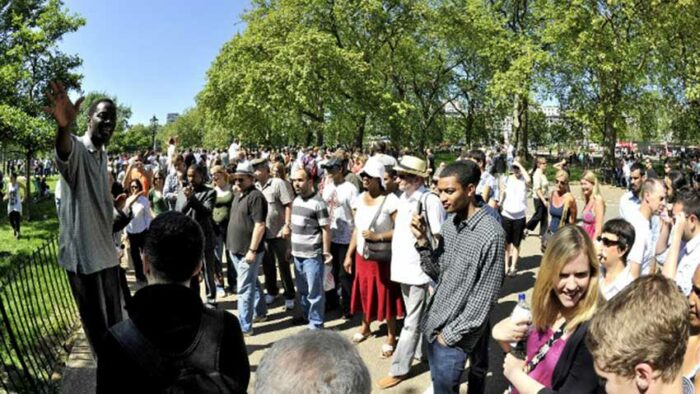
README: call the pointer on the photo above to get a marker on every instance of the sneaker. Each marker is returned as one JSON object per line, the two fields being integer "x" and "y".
{"x": 288, "y": 305}
{"x": 220, "y": 292}
{"x": 269, "y": 299}
{"x": 259, "y": 319}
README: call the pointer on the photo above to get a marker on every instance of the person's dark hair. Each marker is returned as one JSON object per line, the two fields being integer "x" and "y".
{"x": 466, "y": 172}
{"x": 178, "y": 158}
{"x": 137, "y": 182}
{"x": 478, "y": 155}
{"x": 390, "y": 170}
{"x": 13, "y": 175}
{"x": 691, "y": 201}
{"x": 637, "y": 166}
{"x": 197, "y": 168}
{"x": 625, "y": 234}
{"x": 174, "y": 246}
{"x": 678, "y": 181}
{"x": 93, "y": 106}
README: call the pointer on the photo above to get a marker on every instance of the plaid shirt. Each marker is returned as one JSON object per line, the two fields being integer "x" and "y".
{"x": 468, "y": 266}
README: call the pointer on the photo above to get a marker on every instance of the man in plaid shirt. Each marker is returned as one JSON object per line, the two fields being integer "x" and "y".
{"x": 468, "y": 268}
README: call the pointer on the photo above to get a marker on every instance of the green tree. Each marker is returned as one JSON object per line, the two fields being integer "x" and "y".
{"x": 29, "y": 33}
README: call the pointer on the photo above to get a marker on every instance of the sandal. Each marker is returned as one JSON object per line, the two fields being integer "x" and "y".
{"x": 387, "y": 351}
{"x": 359, "y": 337}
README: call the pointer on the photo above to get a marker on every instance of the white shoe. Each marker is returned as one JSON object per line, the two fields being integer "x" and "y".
{"x": 289, "y": 305}
{"x": 269, "y": 299}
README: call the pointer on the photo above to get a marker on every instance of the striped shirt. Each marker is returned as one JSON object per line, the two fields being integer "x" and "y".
{"x": 309, "y": 216}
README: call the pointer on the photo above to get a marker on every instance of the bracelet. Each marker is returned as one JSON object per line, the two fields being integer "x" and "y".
{"x": 252, "y": 250}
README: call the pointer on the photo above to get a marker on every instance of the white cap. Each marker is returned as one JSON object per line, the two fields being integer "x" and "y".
{"x": 375, "y": 169}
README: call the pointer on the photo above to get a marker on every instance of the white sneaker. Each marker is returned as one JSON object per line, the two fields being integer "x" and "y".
{"x": 289, "y": 305}
{"x": 269, "y": 299}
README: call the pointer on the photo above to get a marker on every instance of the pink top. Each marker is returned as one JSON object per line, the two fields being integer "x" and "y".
{"x": 589, "y": 220}
{"x": 545, "y": 369}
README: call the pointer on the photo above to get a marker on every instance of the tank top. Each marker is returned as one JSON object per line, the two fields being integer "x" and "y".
{"x": 589, "y": 219}
{"x": 555, "y": 213}
{"x": 222, "y": 205}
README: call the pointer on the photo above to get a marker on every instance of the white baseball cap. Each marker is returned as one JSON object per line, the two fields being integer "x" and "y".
{"x": 374, "y": 169}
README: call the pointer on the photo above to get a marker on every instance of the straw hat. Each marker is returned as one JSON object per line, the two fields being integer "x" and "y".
{"x": 412, "y": 165}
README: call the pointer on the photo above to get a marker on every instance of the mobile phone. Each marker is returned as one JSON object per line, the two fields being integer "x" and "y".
{"x": 419, "y": 207}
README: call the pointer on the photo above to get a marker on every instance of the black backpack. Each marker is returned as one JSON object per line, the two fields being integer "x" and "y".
{"x": 196, "y": 370}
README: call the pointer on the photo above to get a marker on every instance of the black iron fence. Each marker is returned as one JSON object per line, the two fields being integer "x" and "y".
{"x": 37, "y": 318}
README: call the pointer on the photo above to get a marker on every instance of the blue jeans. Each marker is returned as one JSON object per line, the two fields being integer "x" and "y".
{"x": 309, "y": 278}
{"x": 251, "y": 302}
{"x": 446, "y": 366}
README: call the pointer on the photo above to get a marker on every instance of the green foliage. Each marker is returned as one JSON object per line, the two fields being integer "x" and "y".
{"x": 189, "y": 128}
{"x": 137, "y": 138}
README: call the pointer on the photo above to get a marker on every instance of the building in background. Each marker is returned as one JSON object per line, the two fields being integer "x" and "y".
{"x": 172, "y": 117}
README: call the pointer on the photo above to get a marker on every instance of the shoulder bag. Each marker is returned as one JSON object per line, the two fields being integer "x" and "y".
{"x": 376, "y": 250}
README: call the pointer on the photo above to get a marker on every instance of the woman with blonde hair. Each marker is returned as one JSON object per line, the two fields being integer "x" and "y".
{"x": 594, "y": 208}
{"x": 563, "y": 301}
{"x": 562, "y": 204}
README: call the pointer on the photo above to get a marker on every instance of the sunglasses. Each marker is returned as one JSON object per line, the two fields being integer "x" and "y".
{"x": 135, "y": 187}
{"x": 404, "y": 176}
{"x": 607, "y": 242}
{"x": 561, "y": 182}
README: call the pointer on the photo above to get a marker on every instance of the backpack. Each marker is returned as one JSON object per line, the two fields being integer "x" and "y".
{"x": 196, "y": 370}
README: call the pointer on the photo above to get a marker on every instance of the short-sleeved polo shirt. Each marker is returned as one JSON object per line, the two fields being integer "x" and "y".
{"x": 278, "y": 193}
{"x": 86, "y": 213}
{"x": 248, "y": 207}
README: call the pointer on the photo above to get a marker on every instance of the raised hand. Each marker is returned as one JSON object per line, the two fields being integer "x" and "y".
{"x": 62, "y": 109}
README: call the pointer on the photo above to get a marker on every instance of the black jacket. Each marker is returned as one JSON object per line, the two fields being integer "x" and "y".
{"x": 200, "y": 207}
{"x": 168, "y": 315}
{"x": 574, "y": 372}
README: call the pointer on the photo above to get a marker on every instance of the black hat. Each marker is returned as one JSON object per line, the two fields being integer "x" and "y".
{"x": 333, "y": 162}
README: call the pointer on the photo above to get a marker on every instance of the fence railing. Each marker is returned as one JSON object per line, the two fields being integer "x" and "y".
{"x": 37, "y": 318}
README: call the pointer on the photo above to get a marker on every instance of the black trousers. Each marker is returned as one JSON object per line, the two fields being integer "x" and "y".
{"x": 276, "y": 251}
{"x": 208, "y": 271}
{"x": 479, "y": 362}
{"x": 137, "y": 241}
{"x": 540, "y": 217}
{"x": 15, "y": 219}
{"x": 99, "y": 300}
{"x": 343, "y": 280}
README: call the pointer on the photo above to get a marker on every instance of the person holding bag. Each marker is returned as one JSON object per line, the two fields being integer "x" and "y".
{"x": 564, "y": 299}
{"x": 373, "y": 292}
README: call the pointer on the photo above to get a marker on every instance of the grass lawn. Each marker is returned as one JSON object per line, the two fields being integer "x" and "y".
{"x": 42, "y": 226}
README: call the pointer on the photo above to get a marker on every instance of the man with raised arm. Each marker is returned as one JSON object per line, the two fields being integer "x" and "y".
{"x": 86, "y": 213}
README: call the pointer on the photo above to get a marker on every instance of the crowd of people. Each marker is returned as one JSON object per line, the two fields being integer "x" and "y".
{"x": 385, "y": 235}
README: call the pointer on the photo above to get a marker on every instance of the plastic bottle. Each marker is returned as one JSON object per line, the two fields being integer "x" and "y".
{"x": 520, "y": 312}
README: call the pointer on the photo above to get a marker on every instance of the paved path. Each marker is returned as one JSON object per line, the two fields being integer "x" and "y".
{"x": 79, "y": 373}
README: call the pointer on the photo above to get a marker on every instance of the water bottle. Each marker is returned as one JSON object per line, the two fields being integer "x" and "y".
{"x": 520, "y": 312}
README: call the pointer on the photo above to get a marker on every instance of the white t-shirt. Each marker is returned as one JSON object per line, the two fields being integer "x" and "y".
{"x": 405, "y": 260}
{"x": 339, "y": 200}
{"x": 14, "y": 202}
{"x": 688, "y": 261}
{"x": 515, "y": 203}
{"x": 643, "y": 249}
{"x": 141, "y": 221}
{"x": 623, "y": 279}
{"x": 365, "y": 213}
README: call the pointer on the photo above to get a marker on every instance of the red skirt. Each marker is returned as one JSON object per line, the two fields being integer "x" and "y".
{"x": 373, "y": 292}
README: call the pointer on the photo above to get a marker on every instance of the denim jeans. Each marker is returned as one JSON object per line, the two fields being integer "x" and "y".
{"x": 251, "y": 302}
{"x": 446, "y": 366}
{"x": 309, "y": 277}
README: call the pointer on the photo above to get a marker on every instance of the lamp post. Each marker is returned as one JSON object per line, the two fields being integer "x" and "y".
{"x": 154, "y": 128}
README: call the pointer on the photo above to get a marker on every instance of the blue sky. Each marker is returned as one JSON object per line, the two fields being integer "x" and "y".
{"x": 152, "y": 54}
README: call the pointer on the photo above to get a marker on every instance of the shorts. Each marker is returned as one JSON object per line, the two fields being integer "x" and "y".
{"x": 514, "y": 230}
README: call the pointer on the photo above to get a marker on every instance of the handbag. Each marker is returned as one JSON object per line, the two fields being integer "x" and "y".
{"x": 377, "y": 251}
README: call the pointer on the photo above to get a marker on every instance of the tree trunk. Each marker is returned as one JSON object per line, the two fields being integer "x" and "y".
{"x": 28, "y": 187}
{"x": 520, "y": 120}
{"x": 360, "y": 134}
{"x": 609, "y": 139}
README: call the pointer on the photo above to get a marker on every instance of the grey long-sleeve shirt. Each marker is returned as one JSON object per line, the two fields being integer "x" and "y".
{"x": 468, "y": 267}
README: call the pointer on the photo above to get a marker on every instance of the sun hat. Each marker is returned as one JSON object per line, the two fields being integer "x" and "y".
{"x": 244, "y": 168}
{"x": 412, "y": 165}
{"x": 374, "y": 169}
